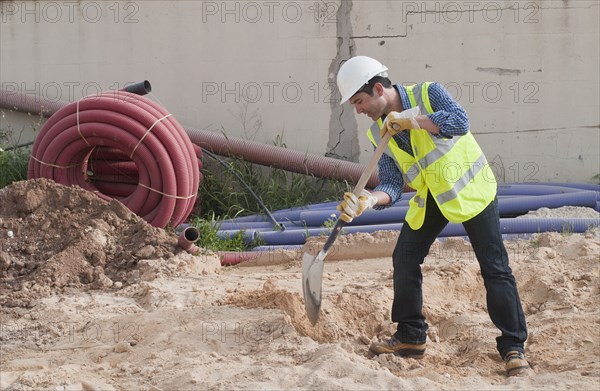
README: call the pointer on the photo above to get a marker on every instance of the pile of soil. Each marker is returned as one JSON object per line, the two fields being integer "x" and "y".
{"x": 56, "y": 238}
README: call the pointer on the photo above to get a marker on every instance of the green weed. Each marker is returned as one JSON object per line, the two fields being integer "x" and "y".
{"x": 13, "y": 160}
{"x": 223, "y": 195}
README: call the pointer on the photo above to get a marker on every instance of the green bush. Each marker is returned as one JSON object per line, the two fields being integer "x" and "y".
{"x": 13, "y": 166}
{"x": 13, "y": 160}
{"x": 223, "y": 194}
{"x": 208, "y": 228}
{"x": 14, "y": 152}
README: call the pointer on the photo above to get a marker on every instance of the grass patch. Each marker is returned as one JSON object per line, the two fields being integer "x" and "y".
{"x": 13, "y": 165}
{"x": 14, "y": 158}
{"x": 243, "y": 188}
{"x": 225, "y": 195}
{"x": 209, "y": 239}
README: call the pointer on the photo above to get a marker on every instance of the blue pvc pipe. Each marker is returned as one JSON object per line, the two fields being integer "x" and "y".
{"x": 305, "y": 217}
{"x": 369, "y": 217}
{"x": 317, "y": 217}
{"x": 506, "y": 207}
{"x": 227, "y": 226}
{"x": 283, "y": 212}
{"x": 240, "y": 225}
{"x": 284, "y": 247}
{"x": 251, "y": 218}
{"x": 320, "y": 205}
{"x": 529, "y": 189}
{"x": 537, "y": 225}
{"x": 507, "y": 226}
{"x": 521, "y": 205}
{"x": 281, "y": 215}
{"x": 514, "y": 199}
{"x": 292, "y": 214}
{"x": 249, "y": 236}
{"x": 504, "y": 190}
{"x": 582, "y": 186}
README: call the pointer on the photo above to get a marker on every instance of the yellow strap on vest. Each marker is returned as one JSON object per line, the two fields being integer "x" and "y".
{"x": 411, "y": 95}
{"x": 425, "y": 97}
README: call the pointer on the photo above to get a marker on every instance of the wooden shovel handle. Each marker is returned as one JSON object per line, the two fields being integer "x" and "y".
{"x": 366, "y": 175}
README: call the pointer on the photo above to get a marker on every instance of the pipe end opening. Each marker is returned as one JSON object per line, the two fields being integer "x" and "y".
{"x": 191, "y": 234}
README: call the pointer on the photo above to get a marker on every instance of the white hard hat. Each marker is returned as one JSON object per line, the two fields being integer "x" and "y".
{"x": 356, "y": 72}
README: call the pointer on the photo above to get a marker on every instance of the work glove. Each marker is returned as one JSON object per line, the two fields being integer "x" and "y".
{"x": 353, "y": 206}
{"x": 396, "y": 122}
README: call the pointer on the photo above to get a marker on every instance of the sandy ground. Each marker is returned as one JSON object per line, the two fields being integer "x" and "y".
{"x": 92, "y": 298}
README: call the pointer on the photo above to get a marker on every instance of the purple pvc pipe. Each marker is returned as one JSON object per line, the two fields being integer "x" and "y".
{"x": 507, "y": 226}
{"x": 507, "y": 207}
{"x": 239, "y": 225}
{"x": 529, "y": 189}
{"x": 581, "y": 186}
{"x": 283, "y": 247}
{"x": 521, "y": 205}
{"x": 369, "y": 217}
{"x": 293, "y": 214}
{"x": 310, "y": 213}
{"x": 282, "y": 215}
{"x": 249, "y": 236}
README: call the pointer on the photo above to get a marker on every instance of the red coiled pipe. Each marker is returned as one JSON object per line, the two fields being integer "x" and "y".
{"x": 156, "y": 171}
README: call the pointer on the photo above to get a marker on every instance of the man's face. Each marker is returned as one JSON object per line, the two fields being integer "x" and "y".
{"x": 372, "y": 106}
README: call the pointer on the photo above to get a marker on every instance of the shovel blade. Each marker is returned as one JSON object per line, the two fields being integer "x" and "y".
{"x": 312, "y": 280}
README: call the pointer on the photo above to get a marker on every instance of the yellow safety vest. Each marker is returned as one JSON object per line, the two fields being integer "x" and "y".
{"x": 455, "y": 169}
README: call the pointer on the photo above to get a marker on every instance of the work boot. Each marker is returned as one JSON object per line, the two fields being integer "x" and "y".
{"x": 392, "y": 345}
{"x": 516, "y": 363}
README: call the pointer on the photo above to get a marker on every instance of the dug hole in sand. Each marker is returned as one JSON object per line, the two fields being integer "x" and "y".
{"x": 94, "y": 298}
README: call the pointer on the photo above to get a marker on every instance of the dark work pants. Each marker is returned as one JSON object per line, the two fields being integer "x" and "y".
{"x": 503, "y": 303}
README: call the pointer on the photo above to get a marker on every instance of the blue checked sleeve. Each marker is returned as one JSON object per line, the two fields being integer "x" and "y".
{"x": 448, "y": 115}
{"x": 391, "y": 181}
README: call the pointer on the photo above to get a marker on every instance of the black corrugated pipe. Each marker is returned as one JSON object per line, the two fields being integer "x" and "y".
{"x": 251, "y": 151}
{"x": 141, "y": 88}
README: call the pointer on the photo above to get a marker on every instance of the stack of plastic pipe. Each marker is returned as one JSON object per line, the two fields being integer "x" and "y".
{"x": 122, "y": 146}
{"x": 513, "y": 200}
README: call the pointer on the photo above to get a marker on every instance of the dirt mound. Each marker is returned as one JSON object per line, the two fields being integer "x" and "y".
{"x": 353, "y": 315}
{"x": 55, "y": 238}
{"x": 558, "y": 279}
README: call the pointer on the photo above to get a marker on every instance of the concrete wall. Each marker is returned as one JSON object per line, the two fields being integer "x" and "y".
{"x": 527, "y": 72}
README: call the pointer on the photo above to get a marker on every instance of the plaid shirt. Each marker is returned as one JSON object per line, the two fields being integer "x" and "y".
{"x": 448, "y": 115}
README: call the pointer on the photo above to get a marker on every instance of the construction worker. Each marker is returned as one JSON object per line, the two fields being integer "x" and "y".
{"x": 433, "y": 147}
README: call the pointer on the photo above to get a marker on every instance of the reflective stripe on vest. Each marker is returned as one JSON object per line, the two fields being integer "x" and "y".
{"x": 462, "y": 182}
{"x": 459, "y": 197}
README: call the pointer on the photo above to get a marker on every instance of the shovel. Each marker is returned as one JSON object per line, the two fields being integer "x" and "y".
{"x": 312, "y": 266}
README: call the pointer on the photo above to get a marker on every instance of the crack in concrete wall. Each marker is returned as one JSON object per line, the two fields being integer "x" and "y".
{"x": 379, "y": 36}
{"x": 343, "y": 128}
{"x": 569, "y": 128}
{"x": 499, "y": 71}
